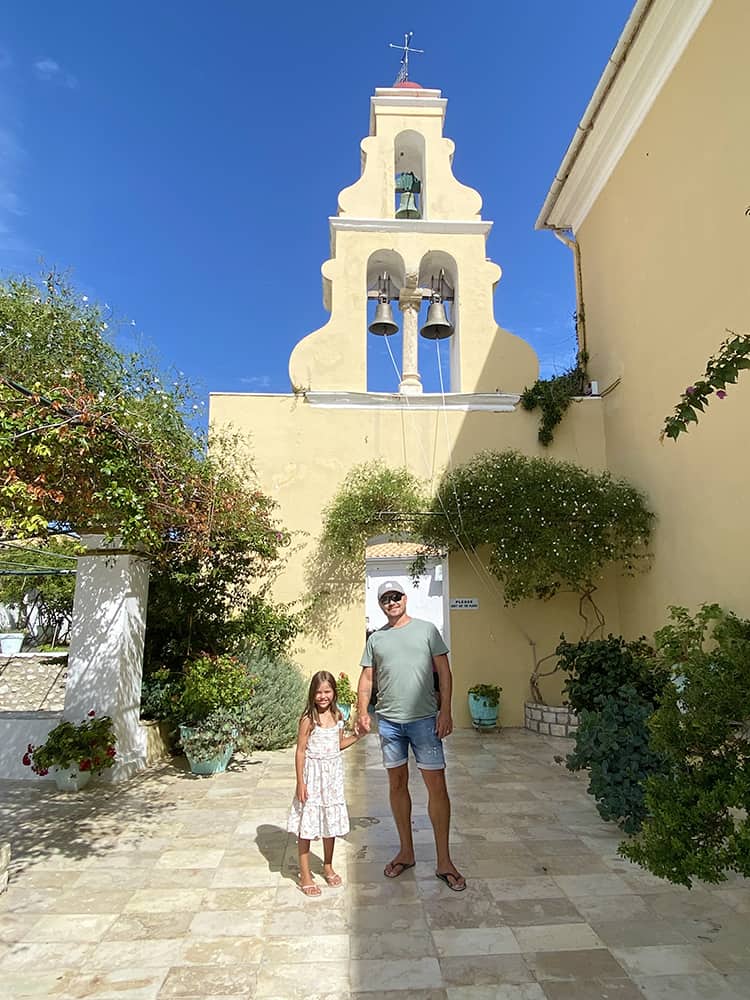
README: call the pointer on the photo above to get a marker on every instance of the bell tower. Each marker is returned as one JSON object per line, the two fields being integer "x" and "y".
{"x": 409, "y": 237}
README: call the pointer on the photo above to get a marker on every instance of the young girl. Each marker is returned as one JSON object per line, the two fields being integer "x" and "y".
{"x": 319, "y": 809}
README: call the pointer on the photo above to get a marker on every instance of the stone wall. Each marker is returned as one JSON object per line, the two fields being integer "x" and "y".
{"x": 33, "y": 682}
{"x": 550, "y": 720}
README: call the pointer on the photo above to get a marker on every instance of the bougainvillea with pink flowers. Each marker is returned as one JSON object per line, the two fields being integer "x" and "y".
{"x": 722, "y": 370}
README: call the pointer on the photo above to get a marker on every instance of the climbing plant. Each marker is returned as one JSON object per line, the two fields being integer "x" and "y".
{"x": 543, "y": 525}
{"x": 548, "y": 525}
{"x": 722, "y": 370}
{"x": 373, "y": 499}
{"x": 554, "y": 395}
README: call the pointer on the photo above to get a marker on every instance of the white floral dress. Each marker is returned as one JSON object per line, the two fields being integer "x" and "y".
{"x": 324, "y": 814}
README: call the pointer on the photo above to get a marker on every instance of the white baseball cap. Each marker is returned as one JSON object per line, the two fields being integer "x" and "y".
{"x": 389, "y": 587}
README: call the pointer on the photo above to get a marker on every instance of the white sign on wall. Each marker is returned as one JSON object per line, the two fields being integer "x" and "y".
{"x": 464, "y": 604}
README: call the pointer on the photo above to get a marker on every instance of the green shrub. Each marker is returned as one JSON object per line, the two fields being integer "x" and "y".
{"x": 600, "y": 668}
{"x": 278, "y": 699}
{"x": 698, "y": 825}
{"x": 222, "y": 729}
{"x": 613, "y": 686}
{"x": 613, "y": 743}
{"x": 213, "y": 682}
{"x": 161, "y": 696}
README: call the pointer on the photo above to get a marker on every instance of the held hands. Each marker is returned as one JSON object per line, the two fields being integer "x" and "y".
{"x": 301, "y": 791}
{"x": 443, "y": 724}
{"x": 362, "y": 725}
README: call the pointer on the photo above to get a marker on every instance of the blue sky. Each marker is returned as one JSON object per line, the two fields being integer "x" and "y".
{"x": 141, "y": 147}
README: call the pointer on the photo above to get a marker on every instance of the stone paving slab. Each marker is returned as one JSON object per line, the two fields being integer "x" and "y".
{"x": 174, "y": 886}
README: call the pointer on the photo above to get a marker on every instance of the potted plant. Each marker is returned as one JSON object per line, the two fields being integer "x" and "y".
{"x": 346, "y": 696}
{"x": 73, "y": 752}
{"x": 215, "y": 694}
{"x": 11, "y": 642}
{"x": 484, "y": 704}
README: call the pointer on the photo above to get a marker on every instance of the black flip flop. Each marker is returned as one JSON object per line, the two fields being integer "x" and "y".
{"x": 447, "y": 876}
{"x": 397, "y": 864}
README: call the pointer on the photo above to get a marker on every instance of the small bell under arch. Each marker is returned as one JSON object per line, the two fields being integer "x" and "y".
{"x": 437, "y": 326}
{"x": 383, "y": 323}
{"x": 408, "y": 186}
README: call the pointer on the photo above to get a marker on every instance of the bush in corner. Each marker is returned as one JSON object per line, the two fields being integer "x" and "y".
{"x": 614, "y": 686}
{"x": 274, "y": 710}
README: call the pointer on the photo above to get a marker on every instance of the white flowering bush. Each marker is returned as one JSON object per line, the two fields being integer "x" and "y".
{"x": 548, "y": 525}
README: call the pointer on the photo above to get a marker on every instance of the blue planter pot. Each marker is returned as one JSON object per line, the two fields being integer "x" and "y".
{"x": 215, "y": 765}
{"x": 483, "y": 715}
{"x": 346, "y": 711}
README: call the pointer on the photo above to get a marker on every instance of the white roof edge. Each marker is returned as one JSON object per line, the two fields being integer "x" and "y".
{"x": 652, "y": 41}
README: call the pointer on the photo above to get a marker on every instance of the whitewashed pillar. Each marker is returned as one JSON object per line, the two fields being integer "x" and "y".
{"x": 409, "y": 304}
{"x": 105, "y": 662}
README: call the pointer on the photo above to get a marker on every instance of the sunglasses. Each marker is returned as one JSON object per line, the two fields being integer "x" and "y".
{"x": 391, "y": 598}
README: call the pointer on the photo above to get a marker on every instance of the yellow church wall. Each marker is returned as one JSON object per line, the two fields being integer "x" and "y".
{"x": 302, "y": 454}
{"x": 665, "y": 262}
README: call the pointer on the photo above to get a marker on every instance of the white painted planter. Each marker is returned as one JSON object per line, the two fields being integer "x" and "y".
{"x": 69, "y": 778}
{"x": 11, "y": 642}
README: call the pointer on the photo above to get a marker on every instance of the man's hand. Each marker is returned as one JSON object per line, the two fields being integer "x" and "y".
{"x": 363, "y": 725}
{"x": 301, "y": 792}
{"x": 443, "y": 724}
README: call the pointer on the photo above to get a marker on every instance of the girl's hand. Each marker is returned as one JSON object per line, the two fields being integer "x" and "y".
{"x": 301, "y": 792}
{"x": 362, "y": 725}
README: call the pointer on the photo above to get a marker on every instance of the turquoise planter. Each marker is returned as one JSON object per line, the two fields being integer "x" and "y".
{"x": 346, "y": 711}
{"x": 483, "y": 715}
{"x": 216, "y": 765}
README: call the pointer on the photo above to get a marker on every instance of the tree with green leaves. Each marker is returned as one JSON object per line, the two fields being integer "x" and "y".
{"x": 96, "y": 439}
{"x": 40, "y": 577}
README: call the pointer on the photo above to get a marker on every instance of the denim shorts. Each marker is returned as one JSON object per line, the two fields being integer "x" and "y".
{"x": 397, "y": 737}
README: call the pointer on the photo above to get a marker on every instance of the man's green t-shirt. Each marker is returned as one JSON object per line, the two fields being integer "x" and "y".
{"x": 402, "y": 658}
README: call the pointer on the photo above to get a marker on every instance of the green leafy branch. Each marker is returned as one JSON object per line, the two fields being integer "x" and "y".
{"x": 554, "y": 395}
{"x": 722, "y": 370}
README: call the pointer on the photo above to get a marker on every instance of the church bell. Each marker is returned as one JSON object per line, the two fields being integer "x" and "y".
{"x": 437, "y": 326}
{"x": 383, "y": 324}
{"x": 407, "y": 206}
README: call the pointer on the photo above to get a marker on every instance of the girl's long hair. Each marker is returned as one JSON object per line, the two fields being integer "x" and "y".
{"x": 311, "y": 712}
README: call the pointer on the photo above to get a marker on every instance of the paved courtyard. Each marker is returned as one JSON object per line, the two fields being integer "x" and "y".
{"x": 177, "y": 886}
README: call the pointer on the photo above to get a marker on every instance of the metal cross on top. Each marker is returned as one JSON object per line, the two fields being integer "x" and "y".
{"x": 403, "y": 72}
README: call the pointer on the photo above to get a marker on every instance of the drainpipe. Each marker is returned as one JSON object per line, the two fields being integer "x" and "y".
{"x": 619, "y": 54}
{"x": 572, "y": 244}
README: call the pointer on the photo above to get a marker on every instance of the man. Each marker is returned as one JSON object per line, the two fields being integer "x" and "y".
{"x": 403, "y": 654}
